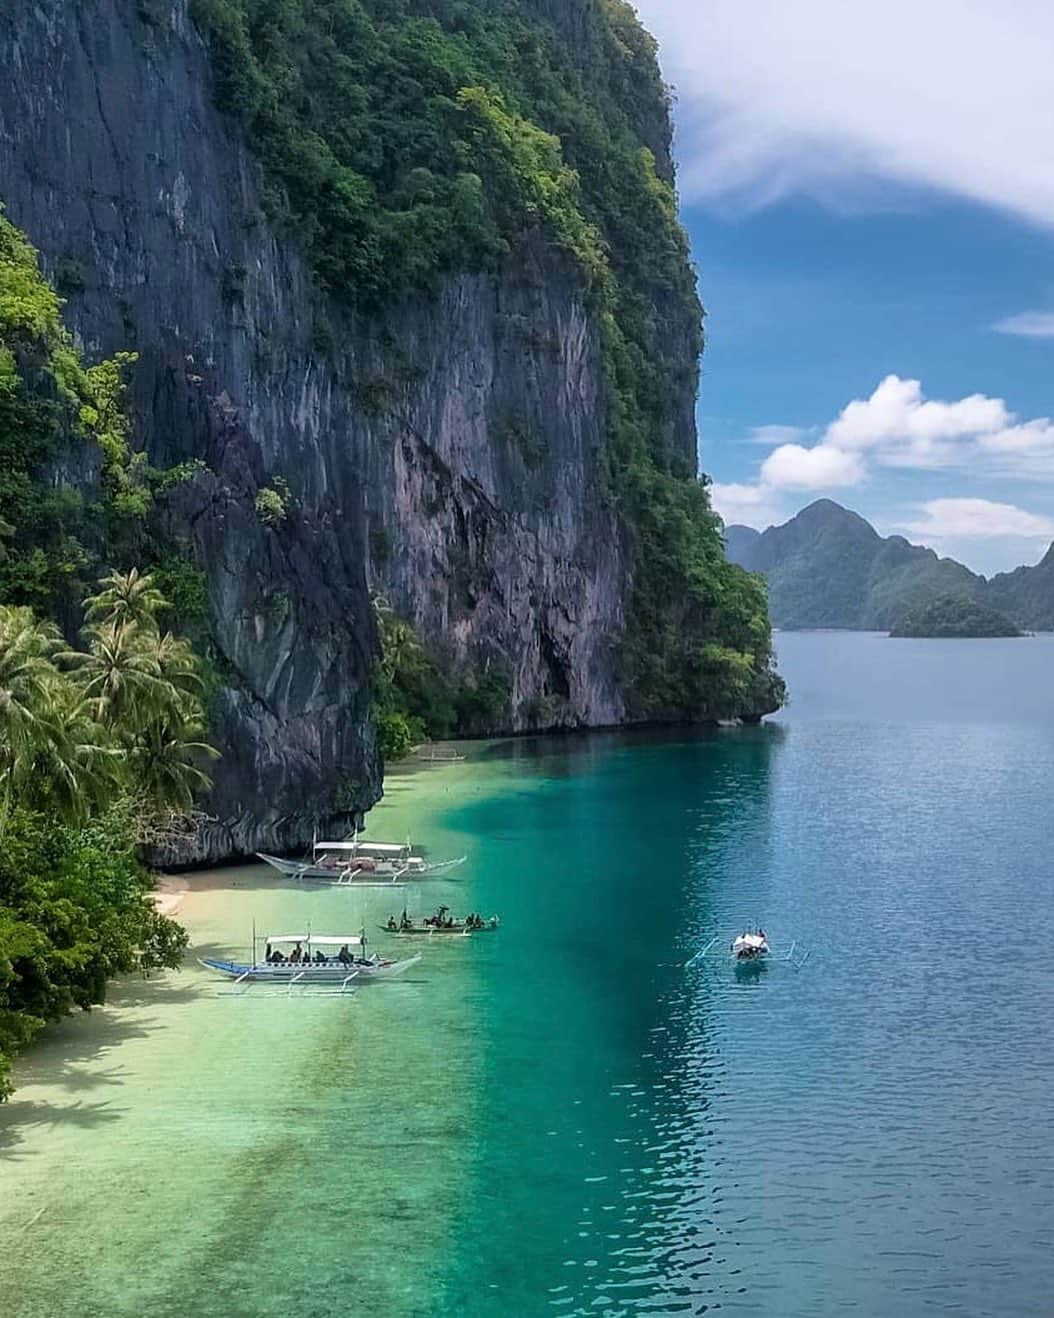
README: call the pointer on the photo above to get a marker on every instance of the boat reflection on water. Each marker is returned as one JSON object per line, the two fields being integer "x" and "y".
{"x": 750, "y": 972}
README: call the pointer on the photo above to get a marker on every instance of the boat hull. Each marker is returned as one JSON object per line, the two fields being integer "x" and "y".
{"x": 430, "y": 931}
{"x": 309, "y": 974}
{"x": 382, "y": 875}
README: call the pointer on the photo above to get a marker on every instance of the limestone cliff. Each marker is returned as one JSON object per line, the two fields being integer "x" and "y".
{"x": 448, "y": 449}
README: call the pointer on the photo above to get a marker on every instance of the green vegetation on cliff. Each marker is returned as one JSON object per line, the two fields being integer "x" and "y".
{"x": 405, "y": 140}
{"x": 954, "y": 615}
{"x": 101, "y": 744}
{"x": 58, "y": 413}
{"x": 416, "y": 698}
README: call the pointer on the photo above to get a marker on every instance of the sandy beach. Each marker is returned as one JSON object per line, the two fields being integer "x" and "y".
{"x": 170, "y": 893}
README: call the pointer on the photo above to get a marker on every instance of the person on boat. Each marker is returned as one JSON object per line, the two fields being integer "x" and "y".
{"x": 320, "y": 958}
{"x": 392, "y": 925}
{"x": 344, "y": 956}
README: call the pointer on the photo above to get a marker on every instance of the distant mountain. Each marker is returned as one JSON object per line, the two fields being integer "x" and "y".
{"x": 1027, "y": 594}
{"x": 739, "y": 540}
{"x": 828, "y": 567}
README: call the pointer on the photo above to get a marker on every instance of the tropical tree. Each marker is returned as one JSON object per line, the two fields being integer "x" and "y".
{"x": 119, "y": 678}
{"x": 126, "y": 598}
{"x": 165, "y": 765}
{"x": 27, "y": 674}
{"x": 144, "y": 687}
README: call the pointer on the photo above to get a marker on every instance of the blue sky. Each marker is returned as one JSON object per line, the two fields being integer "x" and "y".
{"x": 866, "y": 207}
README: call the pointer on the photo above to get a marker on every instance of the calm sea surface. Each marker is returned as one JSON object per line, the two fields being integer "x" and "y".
{"x": 563, "y": 1117}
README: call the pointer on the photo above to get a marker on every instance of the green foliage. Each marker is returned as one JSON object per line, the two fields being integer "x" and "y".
{"x": 100, "y": 749}
{"x": 483, "y": 700}
{"x": 121, "y": 717}
{"x": 185, "y": 589}
{"x": 957, "y": 616}
{"x": 76, "y": 909}
{"x": 412, "y": 696}
{"x": 396, "y": 734}
{"x": 51, "y": 404}
{"x": 69, "y": 277}
{"x": 272, "y": 502}
{"x": 416, "y": 696}
{"x": 405, "y": 139}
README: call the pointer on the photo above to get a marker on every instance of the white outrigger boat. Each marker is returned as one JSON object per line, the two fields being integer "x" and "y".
{"x": 331, "y": 959}
{"x": 749, "y": 949}
{"x": 353, "y": 862}
{"x": 438, "y": 755}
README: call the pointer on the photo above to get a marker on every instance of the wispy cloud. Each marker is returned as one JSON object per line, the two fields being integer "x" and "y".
{"x": 820, "y": 97}
{"x": 1028, "y": 325}
{"x": 771, "y": 436}
{"x": 978, "y": 519}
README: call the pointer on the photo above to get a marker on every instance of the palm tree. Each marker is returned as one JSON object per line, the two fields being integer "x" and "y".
{"x": 27, "y": 648}
{"x": 126, "y": 598}
{"x": 119, "y": 678}
{"x": 51, "y": 751}
{"x": 165, "y": 765}
{"x": 178, "y": 666}
{"x": 75, "y": 769}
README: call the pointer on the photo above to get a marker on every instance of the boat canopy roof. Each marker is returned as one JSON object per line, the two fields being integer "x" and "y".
{"x": 326, "y": 940}
{"x": 365, "y": 848}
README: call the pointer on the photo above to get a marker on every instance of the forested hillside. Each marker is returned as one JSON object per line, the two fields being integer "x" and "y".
{"x": 416, "y": 341}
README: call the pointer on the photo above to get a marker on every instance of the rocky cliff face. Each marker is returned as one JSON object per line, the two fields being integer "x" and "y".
{"x": 445, "y": 453}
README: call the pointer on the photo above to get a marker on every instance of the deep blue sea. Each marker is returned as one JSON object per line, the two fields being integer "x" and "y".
{"x": 872, "y": 1134}
{"x": 565, "y": 1117}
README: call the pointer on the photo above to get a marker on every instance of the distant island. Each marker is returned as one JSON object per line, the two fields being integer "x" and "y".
{"x": 954, "y": 616}
{"x": 828, "y": 567}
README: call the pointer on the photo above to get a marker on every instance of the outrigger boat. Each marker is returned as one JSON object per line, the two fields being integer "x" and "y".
{"x": 749, "y": 948}
{"x": 338, "y": 959}
{"x": 353, "y": 862}
{"x": 440, "y": 923}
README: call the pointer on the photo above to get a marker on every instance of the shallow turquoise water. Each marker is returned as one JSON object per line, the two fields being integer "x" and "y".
{"x": 561, "y": 1118}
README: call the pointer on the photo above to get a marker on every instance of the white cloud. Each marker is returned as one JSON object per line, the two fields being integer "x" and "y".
{"x": 822, "y": 467}
{"x": 978, "y": 519}
{"x": 1029, "y": 325}
{"x": 897, "y": 415}
{"x": 781, "y": 97}
{"x": 771, "y": 436}
{"x": 1027, "y": 443}
{"x": 749, "y": 505}
{"x": 897, "y": 426}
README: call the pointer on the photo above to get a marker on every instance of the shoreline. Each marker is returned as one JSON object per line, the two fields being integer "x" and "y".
{"x": 169, "y": 893}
